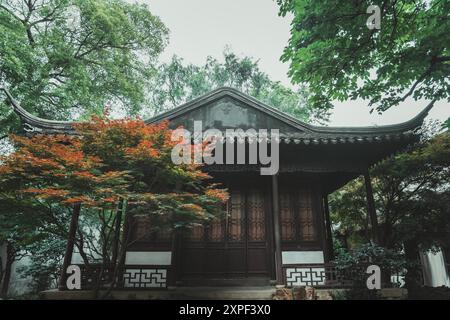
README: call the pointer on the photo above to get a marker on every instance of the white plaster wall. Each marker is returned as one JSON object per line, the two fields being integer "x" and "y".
{"x": 302, "y": 257}
{"x": 163, "y": 258}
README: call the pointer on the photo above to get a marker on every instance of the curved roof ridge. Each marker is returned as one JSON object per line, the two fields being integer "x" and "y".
{"x": 55, "y": 125}
{"x": 197, "y": 102}
{"x": 37, "y": 122}
{"x": 402, "y": 126}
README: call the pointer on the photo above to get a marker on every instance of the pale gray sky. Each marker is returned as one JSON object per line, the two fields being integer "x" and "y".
{"x": 199, "y": 28}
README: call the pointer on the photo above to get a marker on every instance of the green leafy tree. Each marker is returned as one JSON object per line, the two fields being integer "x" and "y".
{"x": 333, "y": 51}
{"x": 349, "y": 214}
{"x": 354, "y": 264}
{"x": 68, "y": 58}
{"x": 108, "y": 163}
{"x": 177, "y": 83}
{"x": 18, "y": 229}
{"x": 45, "y": 257}
{"x": 412, "y": 194}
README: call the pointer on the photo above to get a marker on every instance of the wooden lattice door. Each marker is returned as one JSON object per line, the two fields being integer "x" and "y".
{"x": 235, "y": 247}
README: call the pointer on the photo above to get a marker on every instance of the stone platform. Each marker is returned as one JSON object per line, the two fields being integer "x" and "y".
{"x": 206, "y": 293}
{"x": 179, "y": 293}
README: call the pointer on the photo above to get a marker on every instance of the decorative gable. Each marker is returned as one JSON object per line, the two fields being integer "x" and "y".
{"x": 228, "y": 112}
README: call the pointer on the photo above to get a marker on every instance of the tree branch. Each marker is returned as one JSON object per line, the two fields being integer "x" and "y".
{"x": 11, "y": 13}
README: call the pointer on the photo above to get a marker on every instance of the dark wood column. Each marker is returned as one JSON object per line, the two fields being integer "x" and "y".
{"x": 328, "y": 233}
{"x": 173, "y": 276}
{"x": 371, "y": 207}
{"x": 69, "y": 247}
{"x": 277, "y": 230}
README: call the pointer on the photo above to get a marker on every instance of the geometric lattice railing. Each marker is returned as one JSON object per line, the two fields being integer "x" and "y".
{"x": 133, "y": 276}
{"x": 305, "y": 276}
{"x": 141, "y": 277}
{"x": 156, "y": 276}
{"x": 95, "y": 275}
{"x": 314, "y": 275}
{"x": 328, "y": 275}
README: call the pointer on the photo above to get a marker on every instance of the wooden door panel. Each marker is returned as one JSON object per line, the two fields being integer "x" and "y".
{"x": 215, "y": 262}
{"x": 235, "y": 247}
{"x": 256, "y": 216}
{"x": 236, "y": 217}
{"x": 236, "y": 261}
{"x": 257, "y": 260}
{"x": 297, "y": 219}
{"x": 193, "y": 261}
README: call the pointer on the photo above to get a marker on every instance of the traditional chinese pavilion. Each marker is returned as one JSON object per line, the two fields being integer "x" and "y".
{"x": 277, "y": 230}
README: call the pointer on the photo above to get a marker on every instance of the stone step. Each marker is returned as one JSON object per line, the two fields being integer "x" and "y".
{"x": 178, "y": 293}
{"x": 224, "y": 293}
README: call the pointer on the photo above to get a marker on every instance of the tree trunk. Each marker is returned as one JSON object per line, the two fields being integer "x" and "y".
{"x": 328, "y": 232}
{"x": 10, "y": 257}
{"x": 385, "y": 240}
{"x": 6, "y": 280}
{"x": 70, "y": 245}
{"x": 115, "y": 250}
{"x": 413, "y": 273}
{"x": 1, "y": 270}
{"x": 371, "y": 208}
{"x": 117, "y": 277}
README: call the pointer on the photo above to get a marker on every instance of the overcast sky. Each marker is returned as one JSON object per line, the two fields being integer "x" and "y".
{"x": 199, "y": 28}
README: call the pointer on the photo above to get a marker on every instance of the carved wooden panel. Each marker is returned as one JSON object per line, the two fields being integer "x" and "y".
{"x": 196, "y": 233}
{"x": 236, "y": 216}
{"x": 306, "y": 221}
{"x": 256, "y": 218}
{"x": 216, "y": 230}
{"x": 287, "y": 217}
{"x": 297, "y": 216}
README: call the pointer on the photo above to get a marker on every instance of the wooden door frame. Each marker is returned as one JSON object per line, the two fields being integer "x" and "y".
{"x": 231, "y": 183}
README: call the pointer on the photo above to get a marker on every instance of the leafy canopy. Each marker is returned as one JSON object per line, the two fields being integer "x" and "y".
{"x": 66, "y": 58}
{"x": 412, "y": 194}
{"x": 107, "y": 161}
{"x": 333, "y": 51}
{"x": 177, "y": 83}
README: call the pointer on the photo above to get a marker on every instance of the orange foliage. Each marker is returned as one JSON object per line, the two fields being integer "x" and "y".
{"x": 143, "y": 150}
{"x": 104, "y": 162}
{"x": 85, "y": 175}
{"x": 47, "y": 193}
{"x": 86, "y": 201}
{"x": 196, "y": 209}
{"x": 219, "y": 194}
